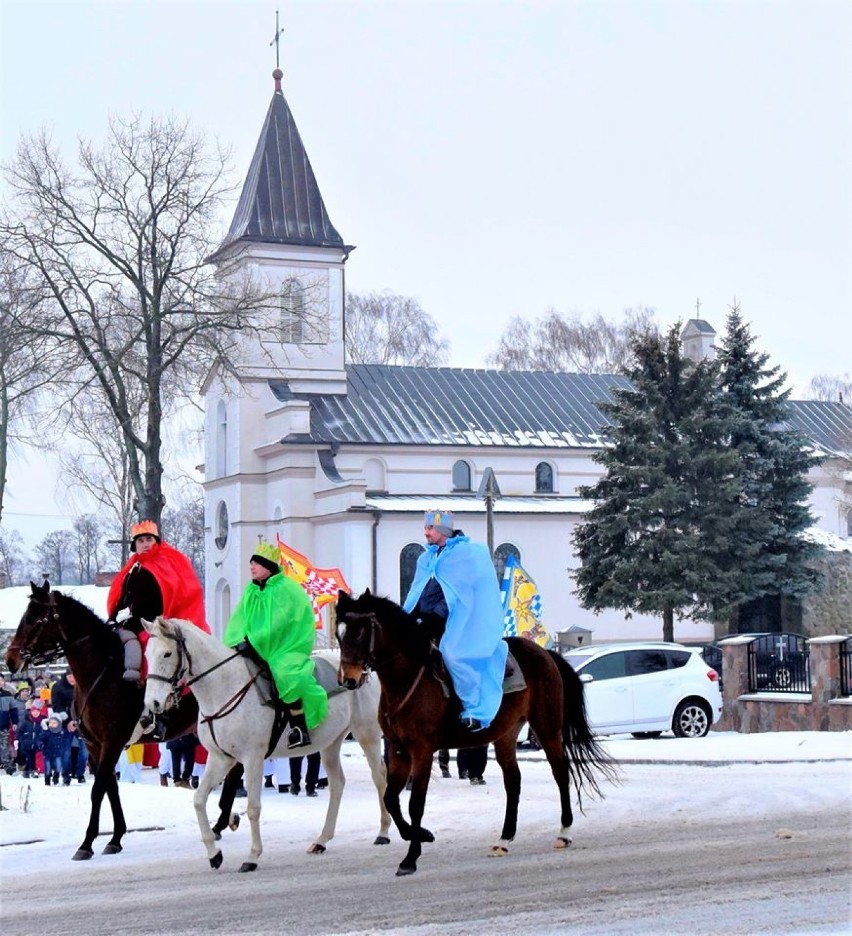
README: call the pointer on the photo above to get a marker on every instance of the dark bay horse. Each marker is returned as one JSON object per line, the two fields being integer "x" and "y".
{"x": 419, "y": 714}
{"x": 107, "y": 707}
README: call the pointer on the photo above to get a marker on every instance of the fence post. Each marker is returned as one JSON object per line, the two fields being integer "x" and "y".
{"x": 734, "y": 681}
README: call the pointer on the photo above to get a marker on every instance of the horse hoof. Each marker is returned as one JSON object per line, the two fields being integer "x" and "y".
{"x": 404, "y": 871}
{"x": 234, "y": 824}
{"x": 562, "y": 842}
{"x": 217, "y": 834}
{"x": 498, "y": 851}
{"x": 248, "y": 866}
{"x": 382, "y": 840}
{"x": 426, "y": 836}
{"x": 216, "y": 861}
{"x": 112, "y": 849}
{"x": 83, "y": 854}
{"x": 316, "y": 849}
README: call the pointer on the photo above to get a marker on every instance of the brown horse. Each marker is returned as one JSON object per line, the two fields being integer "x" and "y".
{"x": 107, "y": 707}
{"x": 419, "y": 714}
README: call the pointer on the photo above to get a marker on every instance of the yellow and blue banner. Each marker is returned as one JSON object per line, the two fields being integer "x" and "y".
{"x": 522, "y": 611}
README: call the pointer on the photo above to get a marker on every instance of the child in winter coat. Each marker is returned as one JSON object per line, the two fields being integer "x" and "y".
{"x": 53, "y": 741}
{"x": 29, "y": 737}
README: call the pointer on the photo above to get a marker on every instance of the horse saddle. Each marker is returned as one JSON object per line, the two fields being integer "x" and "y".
{"x": 325, "y": 673}
{"x": 513, "y": 678}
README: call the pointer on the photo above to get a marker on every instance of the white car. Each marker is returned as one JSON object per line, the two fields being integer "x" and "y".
{"x": 647, "y": 688}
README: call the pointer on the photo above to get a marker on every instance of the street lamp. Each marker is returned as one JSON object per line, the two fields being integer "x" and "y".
{"x": 489, "y": 491}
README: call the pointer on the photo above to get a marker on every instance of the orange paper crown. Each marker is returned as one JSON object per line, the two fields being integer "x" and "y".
{"x": 145, "y": 528}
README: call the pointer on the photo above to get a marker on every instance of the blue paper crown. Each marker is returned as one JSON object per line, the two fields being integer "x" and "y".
{"x": 440, "y": 518}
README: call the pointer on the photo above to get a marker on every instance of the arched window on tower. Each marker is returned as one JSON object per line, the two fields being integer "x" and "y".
{"x": 407, "y": 565}
{"x": 501, "y": 554}
{"x": 543, "y": 478}
{"x": 221, "y": 439}
{"x": 293, "y": 312}
{"x": 461, "y": 476}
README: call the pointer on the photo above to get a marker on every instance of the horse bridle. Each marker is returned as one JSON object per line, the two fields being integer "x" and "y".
{"x": 369, "y": 660}
{"x": 51, "y": 613}
{"x": 179, "y": 683}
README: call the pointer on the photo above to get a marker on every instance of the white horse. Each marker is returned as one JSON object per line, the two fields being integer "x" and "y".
{"x": 235, "y": 724}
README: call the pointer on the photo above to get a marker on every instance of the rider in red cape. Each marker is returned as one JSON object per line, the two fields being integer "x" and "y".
{"x": 157, "y": 579}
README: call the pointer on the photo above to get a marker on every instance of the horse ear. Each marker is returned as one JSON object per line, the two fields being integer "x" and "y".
{"x": 367, "y": 593}
{"x": 148, "y": 625}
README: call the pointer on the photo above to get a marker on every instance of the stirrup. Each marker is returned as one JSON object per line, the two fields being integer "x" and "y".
{"x": 298, "y": 737}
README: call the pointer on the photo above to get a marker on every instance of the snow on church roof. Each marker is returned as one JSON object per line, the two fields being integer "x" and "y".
{"x": 401, "y": 405}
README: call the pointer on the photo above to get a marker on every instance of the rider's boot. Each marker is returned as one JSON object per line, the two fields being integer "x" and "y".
{"x": 298, "y": 736}
{"x": 132, "y": 655}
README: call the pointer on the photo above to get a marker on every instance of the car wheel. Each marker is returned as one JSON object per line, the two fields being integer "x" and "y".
{"x": 691, "y": 720}
{"x": 782, "y": 678}
{"x": 641, "y": 735}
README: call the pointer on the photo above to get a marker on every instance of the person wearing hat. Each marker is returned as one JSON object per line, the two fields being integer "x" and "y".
{"x": 455, "y": 586}
{"x": 275, "y": 616}
{"x": 156, "y": 579}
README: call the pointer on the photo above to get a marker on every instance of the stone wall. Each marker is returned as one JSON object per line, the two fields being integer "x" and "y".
{"x": 824, "y": 709}
{"x": 829, "y": 609}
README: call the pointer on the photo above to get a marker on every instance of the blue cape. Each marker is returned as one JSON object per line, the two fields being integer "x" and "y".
{"x": 472, "y": 646}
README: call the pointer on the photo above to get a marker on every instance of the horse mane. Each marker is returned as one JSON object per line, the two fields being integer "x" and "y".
{"x": 64, "y": 601}
{"x": 415, "y": 638}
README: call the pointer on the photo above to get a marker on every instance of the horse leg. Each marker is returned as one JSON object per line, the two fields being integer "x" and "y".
{"x": 336, "y": 783}
{"x": 421, "y": 772}
{"x": 99, "y": 789}
{"x": 505, "y": 753}
{"x": 254, "y": 784}
{"x": 227, "y": 818}
{"x": 398, "y": 773}
{"x": 371, "y": 745}
{"x": 218, "y": 765}
{"x": 554, "y": 750}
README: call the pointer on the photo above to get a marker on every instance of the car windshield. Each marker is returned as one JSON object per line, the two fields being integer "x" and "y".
{"x": 578, "y": 657}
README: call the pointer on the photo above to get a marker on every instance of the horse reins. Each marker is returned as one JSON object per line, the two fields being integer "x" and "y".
{"x": 179, "y": 682}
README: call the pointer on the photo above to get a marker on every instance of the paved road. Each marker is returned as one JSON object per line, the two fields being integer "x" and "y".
{"x": 674, "y": 850}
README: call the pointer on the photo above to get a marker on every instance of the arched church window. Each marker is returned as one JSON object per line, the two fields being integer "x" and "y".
{"x": 461, "y": 476}
{"x": 407, "y": 565}
{"x": 221, "y": 439}
{"x": 221, "y": 525}
{"x": 543, "y": 478}
{"x": 293, "y": 312}
{"x": 501, "y": 555}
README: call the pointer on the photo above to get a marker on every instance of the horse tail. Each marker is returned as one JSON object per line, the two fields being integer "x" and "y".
{"x": 586, "y": 757}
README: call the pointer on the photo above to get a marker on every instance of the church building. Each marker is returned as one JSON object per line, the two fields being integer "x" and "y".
{"x": 341, "y": 461}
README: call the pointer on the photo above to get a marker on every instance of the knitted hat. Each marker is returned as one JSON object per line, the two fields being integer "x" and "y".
{"x": 440, "y": 520}
{"x": 267, "y": 556}
{"x": 144, "y": 528}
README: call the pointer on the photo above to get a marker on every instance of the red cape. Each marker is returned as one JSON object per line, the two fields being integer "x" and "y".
{"x": 179, "y": 585}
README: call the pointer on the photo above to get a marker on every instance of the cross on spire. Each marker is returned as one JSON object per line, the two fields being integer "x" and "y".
{"x": 697, "y": 301}
{"x": 275, "y": 40}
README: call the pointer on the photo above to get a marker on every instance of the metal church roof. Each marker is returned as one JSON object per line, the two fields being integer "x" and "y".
{"x": 281, "y": 202}
{"x": 400, "y": 405}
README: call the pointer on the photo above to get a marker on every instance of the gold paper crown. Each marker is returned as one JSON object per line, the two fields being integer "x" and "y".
{"x": 268, "y": 551}
{"x": 145, "y": 528}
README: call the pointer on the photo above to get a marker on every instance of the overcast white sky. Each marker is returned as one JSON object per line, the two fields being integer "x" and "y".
{"x": 500, "y": 158}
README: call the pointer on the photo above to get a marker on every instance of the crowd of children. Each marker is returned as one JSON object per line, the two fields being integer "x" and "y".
{"x": 38, "y": 736}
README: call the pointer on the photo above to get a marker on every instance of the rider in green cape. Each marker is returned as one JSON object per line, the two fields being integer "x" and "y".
{"x": 275, "y": 616}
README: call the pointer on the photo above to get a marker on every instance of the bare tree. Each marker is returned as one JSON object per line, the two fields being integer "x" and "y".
{"x": 183, "y": 526}
{"x": 557, "y": 343}
{"x": 27, "y": 364}
{"x": 831, "y": 388}
{"x": 13, "y": 561}
{"x": 87, "y": 547}
{"x": 55, "y": 557}
{"x": 120, "y": 247}
{"x": 384, "y": 328}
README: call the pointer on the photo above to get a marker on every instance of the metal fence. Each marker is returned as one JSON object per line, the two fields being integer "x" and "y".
{"x": 779, "y": 663}
{"x": 846, "y": 668}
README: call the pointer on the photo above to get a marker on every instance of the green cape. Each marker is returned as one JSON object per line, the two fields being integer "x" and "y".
{"x": 278, "y": 621}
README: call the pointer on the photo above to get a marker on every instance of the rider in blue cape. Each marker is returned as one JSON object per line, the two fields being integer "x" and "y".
{"x": 455, "y": 582}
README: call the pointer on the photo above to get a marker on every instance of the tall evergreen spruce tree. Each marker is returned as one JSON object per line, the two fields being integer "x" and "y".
{"x": 641, "y": 547}
{"x": 765, "y": 546}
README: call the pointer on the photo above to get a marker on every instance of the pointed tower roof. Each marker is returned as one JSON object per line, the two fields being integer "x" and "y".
{"x": 281, "y": 201}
